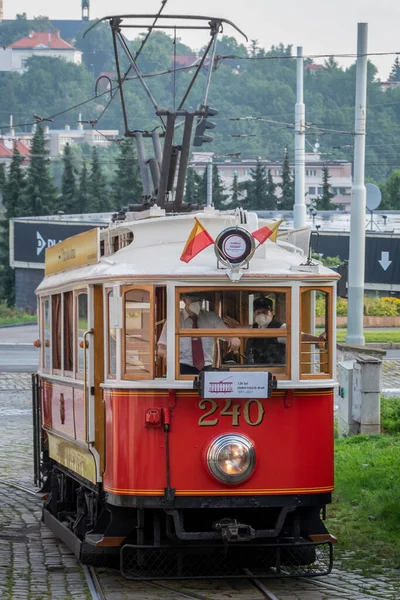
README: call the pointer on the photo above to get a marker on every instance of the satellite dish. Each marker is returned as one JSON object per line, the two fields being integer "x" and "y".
{"x": 374, "y": 196}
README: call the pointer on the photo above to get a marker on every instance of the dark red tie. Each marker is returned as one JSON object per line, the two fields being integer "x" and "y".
{"x": 197, "y": 348}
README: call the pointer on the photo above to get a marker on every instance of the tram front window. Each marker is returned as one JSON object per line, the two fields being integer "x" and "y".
{"x": 138, "y": 343}
{"x": 234, "y": 327}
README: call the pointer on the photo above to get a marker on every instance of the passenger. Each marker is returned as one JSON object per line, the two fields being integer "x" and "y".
{"x": 271, "y": 350}
{"x": 196, "y": 353}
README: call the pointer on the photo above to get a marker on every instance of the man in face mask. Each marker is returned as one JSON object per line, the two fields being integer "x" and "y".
{"x": 196, "y": 353}
{"x": 266, "y": 350}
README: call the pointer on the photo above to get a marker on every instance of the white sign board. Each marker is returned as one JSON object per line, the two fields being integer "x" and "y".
{"x": 224, "y": 384}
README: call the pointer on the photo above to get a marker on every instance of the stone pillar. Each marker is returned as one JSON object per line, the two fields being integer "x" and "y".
{"x": 367, "y": 389}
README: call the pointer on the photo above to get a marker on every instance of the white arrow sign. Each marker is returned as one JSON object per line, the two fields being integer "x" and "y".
{"x": 385, "y": 262}
{"x": 40, "y": 243}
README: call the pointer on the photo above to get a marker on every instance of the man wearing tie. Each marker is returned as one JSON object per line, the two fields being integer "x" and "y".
{"x": 196, "y": 354}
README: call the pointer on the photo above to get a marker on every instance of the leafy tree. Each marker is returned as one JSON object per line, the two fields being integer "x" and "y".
{"x": 391, "y": 192}
{"x": 286, "y": 200}
{"x": 127, "y": 186}
{"x": 69, "y": 199}
{"x": 83, "y": 193}
{"x": 271, "y": 199}
{"x": 40, "y": 193}
{"x": 324, "y": 202}
{"x": 13, "y": 200}
{"x": 98, "y": 193}
{"x": 219, "y": 197}
{"x": 395, "y": 70}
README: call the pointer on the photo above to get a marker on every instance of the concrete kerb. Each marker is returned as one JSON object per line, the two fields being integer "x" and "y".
{"x": 27, "y": 324}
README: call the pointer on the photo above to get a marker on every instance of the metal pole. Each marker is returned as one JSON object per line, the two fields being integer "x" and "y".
{"x": 209, "y": 184}
{"x": 299, "y": 209}
{"x": 358, "y": 202}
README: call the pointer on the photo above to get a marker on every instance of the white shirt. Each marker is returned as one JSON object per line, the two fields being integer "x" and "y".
{"x": 205, "y": 320}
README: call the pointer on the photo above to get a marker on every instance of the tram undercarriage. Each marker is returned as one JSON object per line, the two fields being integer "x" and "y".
{"x": 167, "y": 538}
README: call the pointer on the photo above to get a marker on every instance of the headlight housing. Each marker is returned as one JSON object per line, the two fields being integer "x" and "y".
{"x": 231, "y": 458}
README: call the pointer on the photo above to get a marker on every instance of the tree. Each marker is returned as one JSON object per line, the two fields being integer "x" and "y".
{"x": 13, "y": 200}
{"x": 192, "y": 190}
{"x": 391, "y": 192}
{"x": 127, "y": 186}
{"x": 324, "y": 202}
{"x": 40, "y": 193}
{"x": 83, "y": 193}
{"x": 257, "y": 188}
{"x": 98, "y": 194}
{"x": 271, "y": 199}
{"x": 69, "y": 198}
{"x": 218, "y": 195}
{"x": 237, "y": 193}
{"x": 286, "y": 201}
{"x": 395, "y": 70}
{"x": 2, "y": 176}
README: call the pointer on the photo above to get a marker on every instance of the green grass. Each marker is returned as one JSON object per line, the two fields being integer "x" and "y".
{"x": 24, "y": 318}
{"x": 374, "y": 337}
{"x": 365, "y": 513}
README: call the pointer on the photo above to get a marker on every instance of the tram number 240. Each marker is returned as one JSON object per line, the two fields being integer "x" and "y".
{"x": 253, "y": 412}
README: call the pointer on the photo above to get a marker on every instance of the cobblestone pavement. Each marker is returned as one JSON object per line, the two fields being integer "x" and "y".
{"x": 34, "y": 565}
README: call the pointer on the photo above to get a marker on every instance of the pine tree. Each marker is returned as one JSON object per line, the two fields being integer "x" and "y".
{"x": 2, "y": 177}
{"x": 83, "y": 193}
{"x": 324, "y": 202}
{"x": 218, "y": 189}
{"x": 286, "y": 200}
{"x": 395, "y": 70}
{"x": 13, "y": 200}
{"x": 40, "y": 193}
{"x": 98, "y": 195}
{"x": 271, "y": 199}
{"x": 237, "y": 194}
{"x": 127, "y": 186}
{"x": 193, "y": 184}
{"x": 203, "y": 187}
{"x": 257, "y": 188}
{"x": 69, "y": 199}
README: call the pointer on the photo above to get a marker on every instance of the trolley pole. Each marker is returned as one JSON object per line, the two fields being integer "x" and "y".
{"x": 355, "y": 312}
{"x": 299, "y": 209}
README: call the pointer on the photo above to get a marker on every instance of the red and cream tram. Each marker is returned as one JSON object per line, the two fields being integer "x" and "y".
{"x": 178, "y": 473}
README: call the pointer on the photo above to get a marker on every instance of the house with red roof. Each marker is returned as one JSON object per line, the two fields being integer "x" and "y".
{"x": 7, "y": 151}
{"x": 38, "y": 43}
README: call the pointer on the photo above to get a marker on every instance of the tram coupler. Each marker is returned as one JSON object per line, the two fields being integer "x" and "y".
{"x": 232, "y": 531}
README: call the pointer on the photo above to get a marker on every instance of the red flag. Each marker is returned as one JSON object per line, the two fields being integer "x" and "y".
{"x": 198, "y": 240}
{"x": 269, "y": 231}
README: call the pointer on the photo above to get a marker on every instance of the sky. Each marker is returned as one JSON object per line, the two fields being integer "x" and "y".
{"x": 320, "y": 27}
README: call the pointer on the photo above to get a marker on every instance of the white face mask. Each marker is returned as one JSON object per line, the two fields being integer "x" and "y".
{"x": 195, "y": 307}
{"x": 263, "y": 320}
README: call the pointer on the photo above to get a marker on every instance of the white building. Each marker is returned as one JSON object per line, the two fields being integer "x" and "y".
{"x": 340, "y": 173}
{"x": 16, "y": 56}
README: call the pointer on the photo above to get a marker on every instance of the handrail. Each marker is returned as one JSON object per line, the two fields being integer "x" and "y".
{"x": 86, "y": 333}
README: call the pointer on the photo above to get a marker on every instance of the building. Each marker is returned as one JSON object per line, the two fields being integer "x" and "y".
{"x": 15, "y": 56}
{"x": 7, "y": 151}
{"x": 340, "y": 173}
{"x": 56, "y": 139}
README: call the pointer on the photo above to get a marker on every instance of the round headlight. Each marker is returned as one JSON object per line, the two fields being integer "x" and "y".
{"x": 231, "y": 458}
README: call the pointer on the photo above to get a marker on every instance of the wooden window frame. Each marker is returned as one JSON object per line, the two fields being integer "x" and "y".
{"x": 281, "y": 374}
{"x": 59, "y": 371}
{"x": 138, "y": 376}
{"x": 43, "y": 299}
{"x": 69, "y": 372}
{"x": 108, "y": 375}
{"x": 329, "y": 291}
{"x": 78, "y": 374}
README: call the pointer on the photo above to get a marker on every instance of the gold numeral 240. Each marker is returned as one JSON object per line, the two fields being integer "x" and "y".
{"x": 230, "y": 411}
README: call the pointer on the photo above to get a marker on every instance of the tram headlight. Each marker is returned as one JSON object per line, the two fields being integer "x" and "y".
{"x": 231, "y": 458}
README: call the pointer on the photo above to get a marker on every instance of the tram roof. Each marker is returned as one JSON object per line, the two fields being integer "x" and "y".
{"x": 158, "y": 242}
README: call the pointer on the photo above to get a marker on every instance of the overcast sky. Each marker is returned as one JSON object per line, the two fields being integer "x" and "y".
{"x": 320, "y": 27}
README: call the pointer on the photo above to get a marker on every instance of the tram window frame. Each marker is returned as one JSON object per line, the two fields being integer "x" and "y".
{"x": 281, "y": 373}
{"x": 109, "y": 293}
{"x": 79, "y": 374}
{"x": 68, "y": 334}
{"x": 56, "y": 333}
{"x": 46, "y": 348}
{"x": 138, "y": 375}
{"x": 328, "y": 374}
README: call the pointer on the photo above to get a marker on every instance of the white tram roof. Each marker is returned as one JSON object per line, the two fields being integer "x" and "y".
{"x": 158, "y": 243}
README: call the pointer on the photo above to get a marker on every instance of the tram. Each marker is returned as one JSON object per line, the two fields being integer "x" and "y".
{"x": 183, "y": 406}
{"x": 155, "y": 466}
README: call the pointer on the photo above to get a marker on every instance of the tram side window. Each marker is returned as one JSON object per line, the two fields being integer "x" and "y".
{"x": 46, "y": 334}
{"x": 261, "y": 317}
{"x": 56, "y": 331}
{"x": 68, "y": 332}
{"x": 138, "y": 339}
{"x": 315, "y": 317}
{"x": 82, "y": 326}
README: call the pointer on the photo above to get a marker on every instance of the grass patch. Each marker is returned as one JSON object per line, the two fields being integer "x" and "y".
{"x": 373, "y": 337}
{"x": 365, "y": 513}
{"x": 9, "y": 315}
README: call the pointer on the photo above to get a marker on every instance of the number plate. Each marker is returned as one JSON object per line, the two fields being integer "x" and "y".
{"x": 225, "y": 384}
